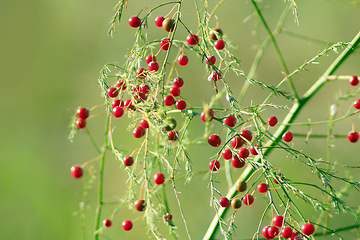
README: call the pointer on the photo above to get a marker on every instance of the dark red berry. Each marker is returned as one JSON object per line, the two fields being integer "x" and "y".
{"x": 159, "y": 20}
{"x": 278, "y": 220}
{"x": 129, "y": 105}
{"x": 226, "y": 153}
{"x": 112, "y": 92}
{"x": 236, "y": 142}
{"x": 165, "y": 43}
{"x": 230, "y": 120}
{"x": 138, "y": 132}
{"x": 168, "y": 24}
{"x": 265, "y": 232}
{"x": 76, "y": 171}
{"x": 286, "y": 232}
{"x": 167, "y": 217}
{"x": 272, "y": 121}
{"x": 107, "y": 222}
{"x": 118, "y": 111}
{"x": 144, "y": 123}
{"x": 178, "y": 82}
{"x": 246, "y": 134}
{"x": 175, "y": 91}
{"x": 219, "y": 44}
{"x": 214, "y": 165}
{"x": 117, "y": 103}
{"x": 144, "y": 88}
{"x": 80, "y": 123}
{"x": 172, "y": 135}
{"x": 134, "y": 21}
{"x": 248, "y": 199}
{"x": 243, "y": 153}
{"x": 140, "y": 205}
{"x": 135, "y": 88}
{"x": 159, "y": 178}
{"x": 224, "y": 202}
{"x": 139, "y": 96}
{"x": 207, "y": 116}
{"x": 354, "y": 80}
{"x": 169, "y": 100}
{"x": 183, "y": 60}
{"x": 128, "y": 160}
{"x": 210, "y": 60}
{"x": 357, "y": 104}
{"x": 121, "y": 84}
{"x": 214, "y": 140}
{"x": 153, "y": 66}
{"x": 150, "y": 58}
{"x": 192, "y": 39}
{"x": 127, "y": 225}
{"x": 236, "y": 162}
{"x": 353, "y": 136}
{"x": 273, "y": 231}
{"x": 83, "y": 113}
{"x": 295, "y": 236}
{"x": 140, "y": 73}
{"x": 215, "y": 75}
{"x": 180, "y": 104}
{"x": 253, "y": 150}
{"x": 262, "y": 187}
{"x": 287, "y": 136}
{"x": 307, "y": 228}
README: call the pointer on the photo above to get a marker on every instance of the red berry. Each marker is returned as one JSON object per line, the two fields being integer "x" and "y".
{"x": 273, "y": 231}
{"x": 159, "y": 20}
{"x": 295, "y": 236}
{"x": 236, "y": 142}
{"x": 112, "y": 92}
{"x": 354, "y": 80}
{"x": 167, "y": 217}
{"x": 127, "y": 225}
{"x": 117, "y": 103}
{"x": 121, "y": 84}
{"x": 83, "y": 113}
{"x": 262, "y": 187}
{"x": 210, "y": 60}
{"x": 357, "y": 104}
{"x": 287, "y": 136}
{"x": 215, "y": 75}
{"x": 236, "y": 162}
{"x": 246, "y": 134}
{"x": 219, "y": 44}
{"x": 353, "y": 136}
{"x": 214, "y": 165}
{"x": 139, "y": 96}
{"x": 80, "y": 123}
{"x": 230, "y": 120}
{"x": 128, "y": 104}
{"x": 307, "y": 228}
{"x": 286, "y": 232}
{"x": 153, "y": 66}
{"x": 118, "y": 111}
{"x": 272, "y": 121}
{"x": 265, "y": 232}
{"x": 135, "y": 88}
{"x": 172, "y": 135}
{"x": 107, "y": 222}
{"x": 128, "y": 160}
{"x": 138, "y": 132}
{"x": 192, "y": 39}
{"x": 281, "y": 177}
{"x": 183, "y": 60}
{"x": 181, "y": 104}
{"x": 144, "y": 88}
{"x": 253, "y": 150}
{"x": 226, "y": 153}
{"x": 214, "y": 140}
{"x": 140, "y": 73}
{"x": 150, "y": 58}
{"x": 169, "y": 100}
{"x": 76, "y": 171}
{"x": 175, "y": 91}
{"x": 140, "y": 205}
{"x": 224, "y": 202}
{"x": 178, "y": 82}
{"x": 278, "y": 220}
{"x": 243, "y": 153}
{"x": 165, "y": 43}
{"x": 144, "y": 123}
{"x": 159, "y": 178}
{"x": 207, "y": 116}
{"x": 248, "y": 199}
{"x": 134, "y": 21}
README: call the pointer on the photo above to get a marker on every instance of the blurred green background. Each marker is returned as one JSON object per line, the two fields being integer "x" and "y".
{"x": 51, "y": 54}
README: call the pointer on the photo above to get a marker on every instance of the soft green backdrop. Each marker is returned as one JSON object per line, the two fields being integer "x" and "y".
{"x": 51, "y": 53}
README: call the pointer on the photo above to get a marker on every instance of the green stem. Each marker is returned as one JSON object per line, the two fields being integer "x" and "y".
{"x": 92, "y": 140}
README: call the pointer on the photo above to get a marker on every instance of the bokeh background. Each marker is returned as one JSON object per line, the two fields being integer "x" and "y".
{"x": 51, "y": 54}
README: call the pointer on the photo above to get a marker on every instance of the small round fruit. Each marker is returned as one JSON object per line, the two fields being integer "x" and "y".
{"x": 183, "y": 60}
{"x": 153, "y": 66}
{"x": 262, "y": 187}
{"x": 144, "y": 123}
{"x": 180, "y": 104}
{"x": 273, "y": 231}
{"x": 112, "y": 92}
{"x": 83, "y": 113}
{"x": 139, "y": 96}
{"x": 207, "y": 116}
{"x": 107, "y": 222}
{"x": 219, "y": 44}
{"x": 246, "y": 134}
{"x": 278, "y": 220}
{"x": 354, "y": 80}
{"x": 128, "y": 160}
{"x": 175, "y": 91}
{"x": 144, "y": 88}
{"x": 214, "y": 165}
{"x": 265, "y": 232}
{"x": 236, "y": 203}
{"x": 353, "y": 136}
{"x": 178, "y": 82}
{"x": 214, "y": 33}
{"x": 80, "y": 123}
{"x": 140, "y": 205}
{"x": 172, "y": 135}
{"x": 118, "y": 111}
{"x": 248, "y": 199}
{"x": 357, "y": 104}
{"x": 224, "y": 202}
{"x": 307, "y": 228}
{"x": 296, "y": 236}
{"x": 236, "y": 162}
{"x": 129, "y": 105}
{"x": 140, "y": 73}
{"x": 210, "y": 60}
{"x": 117, "y": 103}
{"x": 150, "y": 58}
{"x": 236, "y": 142}
{"x": 253, "y": 150}
{"x": 215, "y": 75}
{"x": 168, "y": 24}
{"x": 214, "y": 140}
{"x": 169, "y": 123}
{"x": 192, "y": 39}
{"x": 287, "y": 136}
{"x": 76, "y": 171}
{"x": 226, "y": 153}
{"x": 121, "y": 84}
{"x": 138, "y": 132}
{"x": 230, "y": 120}
{"x": 127, "y": 225}
{"x": 134, "y": 21}
{"x": 135, "y": 88}
{"x": 243, "y": 153}
{"x": 168, "y": 100}
{"x": 159, "y": 20}
{"x": 159, "y": 178}
{"x": 241, "y": 186}
{"x": 165, "y": 43}
{"x": 167, "y": 217}
{"x": 272, "y": 121}
{"x": 286, "y": 232}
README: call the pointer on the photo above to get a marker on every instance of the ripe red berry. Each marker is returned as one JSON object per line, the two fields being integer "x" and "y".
{"x": 140, "y": 73}
{"x": 214, "y": 140}
{"x": 265, "y": 232}
{"x": 307, "y": 228}
{"x": 214, "y": 165}
{"x": 273, "y": 231}
{"x": 135, "y": 88}
{"x": 140, "y": 205}
{"x": 83, "y": 113}
{"x": 180, "y": 104}
{"x": 159, "y": 20}
{"x": 226, "y": 153}
{"x": 169, "y": 100}
{"x": 175, "y": 91}
{"x": 112, "y": 92}
{"x": 128, "y": 104}
{"x": 253, "y": 150}
{"x": 354, "y": 80}
{"x": 287, "y": 136}
{"x": 296, "y": 236}
{"x": 128, "y": 160}
{"x": 281, "y": 177}
{"x": 121, "y": 84}
{"x": 357, "y": 104}
{"x": 248, "y": 199}
{"x": 134, "y": 21}
{"x": 80, "y": 123}
{"x": 236, "y": 142}
{"x": 139, "y": 96}
{"x": 76, "y": 171}
{"x": 236, "y": 162}
{"x": 127, "y": 225}
{"x": 153, "y": 66}
{"x": 167, "y": 217}
{"x": 286, "y": 232}
{"x": 159, "y": 178}
{"x": 192, "y": 39}
{"x": 262, "y": 187}
{"x": 178, "y": 82}
{"x": 246, "y": 134}
{"x": 207, "y": 116}
{"x": 230, "y": 120}
{"x": 272, "y": 121}
{"x": 210, "y": 60}
{"x": 144, "y": 88}
{"x": 243, "y": 153}
{"x": 165, "y": 43}
{"x": 183, "y": 60}
{"x": 215, "y": 75}
{"x": 107, "y": 222}
{"x": 224, "y": 202}
{"x": 278, "y": 220}
{"x": 219, "y": 44}
{"x": 118, "y": 111}
{"x": 117, "y": 103}
{"x": 172, "y": 135}
{"x": 150, "y": 58}
{"x": 353, "y": 136}
{"x": 138, "y": 132}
